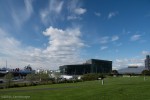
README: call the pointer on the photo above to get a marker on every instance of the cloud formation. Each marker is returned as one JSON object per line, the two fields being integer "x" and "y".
{"x": 107, "y": 39}
{"x": 103, "y": 47}
{"x": 144, "y": 52}
{"x": 135, "y": 37}
{"x": 115, "y": 38}
{"x": 97, "y": 14}
{"x": 123, "y": 63}
{"x": 63, "y": 48}
{"x": 21, "y": 15}
{"x": 64, "y": 42}
{"x": 8, "y": 45}
{"x": 79, "y": 11}
{"x": 112, "y": 14}
{"x": 104, "y": 40}
{"x": 74, "y": 17}
{"x": 52, "y": 12}
{"x": 75, "y": 10}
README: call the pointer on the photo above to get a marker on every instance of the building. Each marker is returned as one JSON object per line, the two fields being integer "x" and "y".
{"x": 136, "y": 69}
{"x": 3, "y": 71}
{"x": 15, "y": 72}
{"x": 147, "y": 62}
{"x": 132, "y": 70}
{"x": 91, "y": 66}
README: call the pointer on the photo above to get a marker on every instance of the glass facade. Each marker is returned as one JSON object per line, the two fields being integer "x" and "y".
{"x": 147, "y": 62}
{"x": 91, "y": 66}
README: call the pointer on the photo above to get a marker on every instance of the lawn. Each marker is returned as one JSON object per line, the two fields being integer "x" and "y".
{"x": 119, "y": 88}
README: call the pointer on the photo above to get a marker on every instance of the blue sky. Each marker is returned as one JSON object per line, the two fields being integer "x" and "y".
{"x": 50, "y": 33}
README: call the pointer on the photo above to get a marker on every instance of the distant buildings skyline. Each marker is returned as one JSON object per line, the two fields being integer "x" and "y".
{"x": 146, "y": 65}
{"x": 90, "y": 66}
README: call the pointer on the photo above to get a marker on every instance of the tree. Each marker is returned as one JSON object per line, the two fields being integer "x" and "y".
{"x": 28, "y": 67}
{"x": 92, "y": 76}
{"x": 43, "y": 77}
{"x": 40, "y": 77}
{"x": 146, "y": 72}
{"x": 114, "y": 72}
{"x": 56, "y": 76}
{"x": 8, "y": 78}
{"x": 31, "y": 78}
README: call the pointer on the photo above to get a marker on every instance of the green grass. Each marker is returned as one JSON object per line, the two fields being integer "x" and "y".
{"x": 134, "y": 88}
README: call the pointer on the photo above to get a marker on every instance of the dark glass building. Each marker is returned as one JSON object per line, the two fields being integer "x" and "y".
{"x": 91, "y": 66}
{"x": 147, "y": 62}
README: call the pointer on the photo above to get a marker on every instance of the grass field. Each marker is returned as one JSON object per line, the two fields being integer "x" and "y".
{"x": 119, "y": 88}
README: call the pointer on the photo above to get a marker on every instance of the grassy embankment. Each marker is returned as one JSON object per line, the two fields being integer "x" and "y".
{"x": 119, "y": 88}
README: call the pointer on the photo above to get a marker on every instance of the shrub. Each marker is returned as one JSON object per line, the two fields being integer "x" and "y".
{"x": 92, "y": 76}
{"x": 146, "y": 72}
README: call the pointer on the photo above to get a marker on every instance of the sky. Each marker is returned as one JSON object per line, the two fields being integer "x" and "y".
{"x": 50, "y": 33}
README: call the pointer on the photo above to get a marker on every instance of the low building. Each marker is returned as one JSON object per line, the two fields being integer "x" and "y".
{"x": 132, "y": 70}
{"x": 91, "y": 66}
{"x": 136, "y": 69}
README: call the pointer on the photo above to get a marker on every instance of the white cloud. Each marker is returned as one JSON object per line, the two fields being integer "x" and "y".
{"x": 112, "y": 14}
{"x": 104, "y": 40}
{"x": 97, "y": 14}
{"x": 7, "y": 43}
{"x": 79, "y": 11}
{"x": 44, "y": 14}
{"x": 73, "y": 18}
{"x": 135, "y": 37}
{"x": 103, "y": 47}
{"x": 144, "y": 52}
{"x": 21, "y": 15}
{"x": 64, "y": 45}
{"x": 28, "y": 6}
{"x": 124, "y": 63}
{"x": 109, "y": 40}
{"x": 75, "y": 10}
{"x": 64, "y": 48}
{"x": 56, "y": 6}
{"x": 52, "y": 12}
{"x": 9, "y": 49}
{"x": 115, "y": 38}
{"x": 68, "y": 39}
